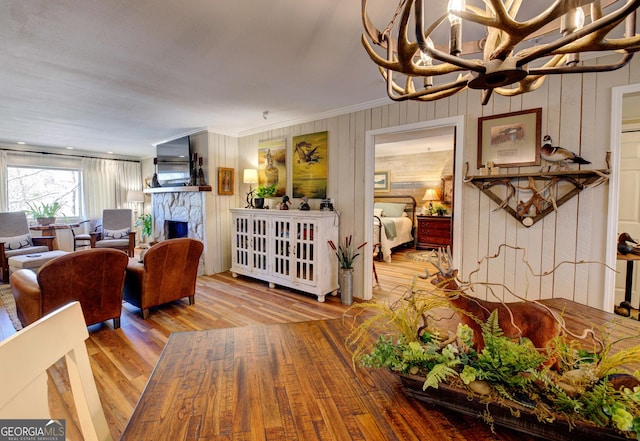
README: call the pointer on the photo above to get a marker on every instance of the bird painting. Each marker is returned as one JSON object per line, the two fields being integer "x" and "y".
{"x": 559, "y": 155}
{"x": 306, "y": 153}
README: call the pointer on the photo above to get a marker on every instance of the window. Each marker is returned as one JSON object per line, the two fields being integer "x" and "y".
{"x": 34, "y": 186}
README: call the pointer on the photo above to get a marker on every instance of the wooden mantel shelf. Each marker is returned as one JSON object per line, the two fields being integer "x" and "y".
{"x": 529, "y": 197}
{"x": 180, "y": 189}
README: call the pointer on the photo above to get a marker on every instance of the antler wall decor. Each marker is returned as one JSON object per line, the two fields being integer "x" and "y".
{"x": 529, "y": 197}
{"x": 514, "y": 61}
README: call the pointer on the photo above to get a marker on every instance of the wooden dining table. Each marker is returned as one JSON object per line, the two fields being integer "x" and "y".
{"x": 297, "y": 381}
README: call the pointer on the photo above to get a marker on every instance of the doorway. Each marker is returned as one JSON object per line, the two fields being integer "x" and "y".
{"x": 456, "y": 124}
{"x": 622, "y": 100}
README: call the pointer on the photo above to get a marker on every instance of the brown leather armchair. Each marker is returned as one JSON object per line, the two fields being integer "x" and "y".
{"x": 94, "y": 277}
{"x": 168, "y": 272}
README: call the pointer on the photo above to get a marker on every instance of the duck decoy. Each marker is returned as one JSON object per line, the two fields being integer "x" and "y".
{"x": 623, "y": 243}
{"x": 559, "y": 155}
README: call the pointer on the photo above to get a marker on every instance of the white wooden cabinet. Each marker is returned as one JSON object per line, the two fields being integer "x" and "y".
{"x": 286, "y": 247}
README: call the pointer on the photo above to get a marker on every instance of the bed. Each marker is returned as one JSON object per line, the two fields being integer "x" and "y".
{"x": 393, "y": 223}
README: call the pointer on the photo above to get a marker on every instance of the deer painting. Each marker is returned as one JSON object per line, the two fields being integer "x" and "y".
{"x": 516, "y": 319}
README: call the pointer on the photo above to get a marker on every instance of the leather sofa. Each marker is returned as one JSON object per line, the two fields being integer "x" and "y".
{"x": 94, "y": 277}
{"x": 168, "y": 272}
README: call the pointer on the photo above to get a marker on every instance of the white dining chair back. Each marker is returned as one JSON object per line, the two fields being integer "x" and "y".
{"x": 29, "y": 353}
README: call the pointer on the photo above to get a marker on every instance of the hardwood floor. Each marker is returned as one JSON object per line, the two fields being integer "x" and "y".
{"x": 123, "y": 359}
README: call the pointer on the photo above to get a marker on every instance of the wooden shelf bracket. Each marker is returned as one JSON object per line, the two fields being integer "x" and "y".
{"x": 529, "y": 197}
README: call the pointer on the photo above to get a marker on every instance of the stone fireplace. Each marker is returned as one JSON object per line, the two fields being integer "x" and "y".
{"x": 180, "y": 207}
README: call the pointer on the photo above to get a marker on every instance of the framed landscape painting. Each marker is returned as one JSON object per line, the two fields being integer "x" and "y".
{"x": 310, "y": 166}
{"x": 381, "y": 181}
{"x": 272, "y": 164}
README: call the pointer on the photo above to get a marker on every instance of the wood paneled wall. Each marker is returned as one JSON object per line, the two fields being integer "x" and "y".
{"x": 576, "y": 112}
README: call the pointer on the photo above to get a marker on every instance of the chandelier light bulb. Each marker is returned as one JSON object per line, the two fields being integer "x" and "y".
{"x": 455, "y": 40}
{"x": 455, "y": 6}
{"x": 425, "y": 57}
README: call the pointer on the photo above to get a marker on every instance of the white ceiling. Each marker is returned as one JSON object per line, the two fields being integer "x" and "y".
{"x": 122, "y": 75}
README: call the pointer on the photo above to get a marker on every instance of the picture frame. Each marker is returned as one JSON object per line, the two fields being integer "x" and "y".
{"x": 510, "y": 139}
{"x": 381, "y": 181}
{"x": 446, "y": 189}
{"x": 272, "y": 164}
{"x": 226, "y": 181}
{"x": 310, "y": 165}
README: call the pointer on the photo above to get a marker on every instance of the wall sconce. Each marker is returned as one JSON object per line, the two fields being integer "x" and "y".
{"x": 250, "y": 176}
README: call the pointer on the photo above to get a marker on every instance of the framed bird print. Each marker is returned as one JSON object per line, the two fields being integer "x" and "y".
{"x": 309, "y": 165}
{"x": 510, "y": 139}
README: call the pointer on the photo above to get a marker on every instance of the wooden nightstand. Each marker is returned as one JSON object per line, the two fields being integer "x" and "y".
{"x": 433, "y": 232}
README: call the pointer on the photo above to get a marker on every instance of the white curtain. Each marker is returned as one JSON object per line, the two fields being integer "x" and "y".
{"x": 129, "y": 178}
{"x": 4, "y": 203}
{"x": 106, "y": 183}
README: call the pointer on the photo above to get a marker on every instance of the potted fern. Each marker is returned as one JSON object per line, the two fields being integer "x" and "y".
{"x": 45, "y": 214}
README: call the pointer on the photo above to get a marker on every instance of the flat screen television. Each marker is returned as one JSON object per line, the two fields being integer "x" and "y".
{"x": 173, "y": 162}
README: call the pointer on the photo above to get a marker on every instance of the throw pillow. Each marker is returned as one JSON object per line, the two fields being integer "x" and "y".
{"x": 115, "y": 234}
{"x": 391, "y": 209}
{"x": 378, "y": 212}
{"x": 17, "y": 242}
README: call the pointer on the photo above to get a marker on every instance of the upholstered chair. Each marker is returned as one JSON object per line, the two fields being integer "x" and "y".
{"x": 117, "y": 231}
{"x": 167, "y": 272}
{"x": 16, "y": 240}
{"x": 95, "y": 278}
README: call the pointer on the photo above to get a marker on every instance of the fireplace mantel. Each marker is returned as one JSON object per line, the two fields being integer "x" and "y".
{"x": 180, "y": 189}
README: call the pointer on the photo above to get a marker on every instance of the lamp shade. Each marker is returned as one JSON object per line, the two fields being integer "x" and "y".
{"x": 430, "y": 195}
{"x": 135, "y": 196}
{"x": 250, "y": 176}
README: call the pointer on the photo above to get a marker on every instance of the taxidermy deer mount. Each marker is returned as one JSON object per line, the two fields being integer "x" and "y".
{"x": 516, "y": 319}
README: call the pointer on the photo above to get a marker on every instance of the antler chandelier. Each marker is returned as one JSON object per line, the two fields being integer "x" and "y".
{"x": 508, "y": 49}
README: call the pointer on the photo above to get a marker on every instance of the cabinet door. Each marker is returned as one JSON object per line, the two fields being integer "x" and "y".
{"x": 259, "y": 245}
{"x": 241, "y": 248}
{"x": 304, "y": 258}
{"x": 281, "y": 248}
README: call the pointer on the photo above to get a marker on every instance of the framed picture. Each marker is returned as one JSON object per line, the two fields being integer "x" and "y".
{"x": 272, "y": 164}
{"x": 510, "y": 139}
{"x": 447, "y": 189}
{"x": 225, "y": 181}
{"x": 309, "y": 168}
{"x": 381, "y": 181}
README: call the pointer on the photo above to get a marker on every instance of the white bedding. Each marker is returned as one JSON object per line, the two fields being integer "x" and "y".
{"x": 403, "y": 235}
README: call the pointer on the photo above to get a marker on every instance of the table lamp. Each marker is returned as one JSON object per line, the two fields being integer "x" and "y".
{"x": 135, "y": 197}
{"x": 250, "y": 176}
{"x": 430, "y": 195}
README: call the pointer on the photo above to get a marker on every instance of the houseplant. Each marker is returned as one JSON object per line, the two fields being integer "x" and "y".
{"x": 146, "y": 222}
{"x": 346, "y": 255}
{"x": 263, "y": 191}
{"x": 45, "y": 214}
